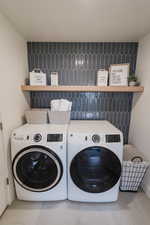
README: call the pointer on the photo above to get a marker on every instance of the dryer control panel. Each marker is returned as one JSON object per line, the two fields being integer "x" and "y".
{"x": 111, "y": 138}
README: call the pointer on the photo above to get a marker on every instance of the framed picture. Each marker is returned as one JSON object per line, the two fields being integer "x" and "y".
{"x": 102, "y": 78}
{"x": 119, "y": 74}
{"x": 54, "y": 78}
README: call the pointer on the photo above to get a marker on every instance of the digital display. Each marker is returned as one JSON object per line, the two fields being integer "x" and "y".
{"x": 112, "y": 138}
{"x": 54, "y": 137}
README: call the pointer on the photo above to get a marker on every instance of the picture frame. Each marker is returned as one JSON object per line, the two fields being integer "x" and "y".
{"x": 102, "y": 77}
{"x": 118, "y": 74}
{"x": 54, "y": 78}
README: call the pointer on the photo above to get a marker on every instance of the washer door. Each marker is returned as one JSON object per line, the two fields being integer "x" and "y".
{"x": 37, "y": 168}
{"x": 95, "y": 169}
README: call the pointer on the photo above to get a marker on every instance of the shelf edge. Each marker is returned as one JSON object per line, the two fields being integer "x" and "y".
{"x": 84, "y": 88}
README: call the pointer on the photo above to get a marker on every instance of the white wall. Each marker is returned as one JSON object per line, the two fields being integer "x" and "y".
{"x": 13, "y": 70}
{"x": 140, "y": 119}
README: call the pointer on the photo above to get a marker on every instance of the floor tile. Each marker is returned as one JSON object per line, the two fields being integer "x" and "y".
{"x": 130, "y": 209}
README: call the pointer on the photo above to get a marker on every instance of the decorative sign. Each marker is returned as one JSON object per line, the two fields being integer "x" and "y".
{"x": 119, "y": 74}
{"x": 102, "y": 78}
{"x": 54, "y": 78}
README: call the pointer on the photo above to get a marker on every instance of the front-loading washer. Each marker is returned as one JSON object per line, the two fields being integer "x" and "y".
{"x": 95, "y": 150}
{"x": 39, "y": 162}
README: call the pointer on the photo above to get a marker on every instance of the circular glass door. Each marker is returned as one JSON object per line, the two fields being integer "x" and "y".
{"x": 95, "y": 169}
{"x": 37, "y": 168}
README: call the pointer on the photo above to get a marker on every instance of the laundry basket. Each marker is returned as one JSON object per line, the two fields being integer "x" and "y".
{"x": 133, "y": 172}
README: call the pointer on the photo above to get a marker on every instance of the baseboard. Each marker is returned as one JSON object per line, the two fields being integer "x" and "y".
{"x": 146, "y": 189}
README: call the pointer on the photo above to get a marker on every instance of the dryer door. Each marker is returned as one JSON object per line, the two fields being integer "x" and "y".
{"x": 95, "y": 169}
{"x": 37, "y": 168}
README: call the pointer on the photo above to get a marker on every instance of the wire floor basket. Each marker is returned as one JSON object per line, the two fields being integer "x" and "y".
{"x": 132, "y": 175}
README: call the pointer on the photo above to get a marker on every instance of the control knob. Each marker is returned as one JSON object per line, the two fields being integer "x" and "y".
{"x": 96, "y": 138}
{"x": 37, "y": 137}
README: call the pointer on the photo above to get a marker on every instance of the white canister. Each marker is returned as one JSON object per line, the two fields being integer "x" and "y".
{"x": 37, "y": 77}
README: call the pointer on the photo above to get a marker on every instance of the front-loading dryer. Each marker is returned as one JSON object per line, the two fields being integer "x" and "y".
{"x": 39, "y": 162}
{"x": 95, "y": 150}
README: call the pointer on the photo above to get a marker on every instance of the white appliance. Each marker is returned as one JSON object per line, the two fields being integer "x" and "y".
{"x": 95, "y": 150}
{"x": 39, "y": 162}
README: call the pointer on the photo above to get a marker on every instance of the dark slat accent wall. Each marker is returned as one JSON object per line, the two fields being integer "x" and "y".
{"x": 63, "y": 57}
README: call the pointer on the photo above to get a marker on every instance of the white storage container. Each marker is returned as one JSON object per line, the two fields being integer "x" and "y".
{"x": 59, "y": 117}
{"x": 36, "y": 116}
{"x": 37, "y": 77}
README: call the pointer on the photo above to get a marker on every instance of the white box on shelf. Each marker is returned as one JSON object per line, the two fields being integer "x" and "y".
{"x": 54, "y": 79}
{"x": 119, "y": 74}
{"x": 37, "y": 78}
{"x": 102, "y": 78}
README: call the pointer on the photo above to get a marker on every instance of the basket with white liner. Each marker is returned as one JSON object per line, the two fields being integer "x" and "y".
{"x": 134, "y": 168}
{"x": 60, "y": 111}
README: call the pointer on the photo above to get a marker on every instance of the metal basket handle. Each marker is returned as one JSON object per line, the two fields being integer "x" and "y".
{"x": 37, "y": 70}
{"x": 137, "y": 159}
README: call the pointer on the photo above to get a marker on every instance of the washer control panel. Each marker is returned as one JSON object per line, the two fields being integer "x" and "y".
{"x": 37, "y": 137}
{"x": 54, "y": 137}
{"x": 96, "y": 138}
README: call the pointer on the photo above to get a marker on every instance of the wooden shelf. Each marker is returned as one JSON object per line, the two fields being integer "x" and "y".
{"x": 84, "y": 88}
